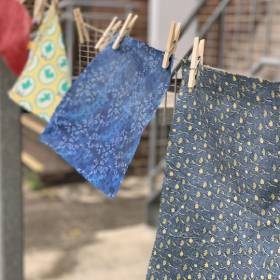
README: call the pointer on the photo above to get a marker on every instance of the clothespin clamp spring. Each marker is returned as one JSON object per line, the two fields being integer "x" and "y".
{"x": 196, "y": 60}
{"x": 125, "y": 30}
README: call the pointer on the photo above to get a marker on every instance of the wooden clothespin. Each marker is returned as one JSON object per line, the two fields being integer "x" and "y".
{"x": 125, "y": 30}
{"x": 201, "y": 49}
{"x": 38, "y": 9}
{"x": 196, "y": 59}
{"x": 113, "y": 31}
{"x": 106, "y": 33}
{"x": 116, "y": 27}
{"x": 55, "y": 3}
{"x": 131, "y": 24}
{"x": 172, "y": 43}
{"x": 81, "y": 28}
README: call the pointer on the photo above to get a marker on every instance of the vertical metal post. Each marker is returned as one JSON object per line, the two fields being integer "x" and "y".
{"x": 152, "y": 154}
{"x": 269, "y": 22}
{"x": 252, "y": 28}
{"x": 152, "y": 206}
{"x": 236, "y": 35}
{"x": 11, "y": 211}
{"x": 69, "y": 36}
{"x": 221, "y": 40}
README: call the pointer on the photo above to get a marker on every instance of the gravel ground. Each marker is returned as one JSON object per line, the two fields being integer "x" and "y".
{"x": 73, "y": 232}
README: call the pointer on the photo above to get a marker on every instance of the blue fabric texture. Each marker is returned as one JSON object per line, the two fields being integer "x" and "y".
{"x": 98, "y": 125}
{"x": 220, "y": 204}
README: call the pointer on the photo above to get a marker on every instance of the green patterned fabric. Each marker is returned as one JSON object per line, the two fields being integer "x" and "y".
{"x": 46, "y": 77}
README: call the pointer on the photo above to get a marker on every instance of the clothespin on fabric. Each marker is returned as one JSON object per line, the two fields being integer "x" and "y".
{"x": 106, "y": 33}
{"x": 38, "y": 9}
{"x": 172, "y": 43}
{"x": 55, "y": 3}
{"x": 125, "y": 30}
{"x": 81, "y": 28}
{"x": 131, "y": 24}
{"x": 201, "y": 48}
{"x": 196, "y": 59}
{"x": 113, "y": 31}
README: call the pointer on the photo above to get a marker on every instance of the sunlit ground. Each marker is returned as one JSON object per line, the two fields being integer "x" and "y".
{"x": 73, "y": 232}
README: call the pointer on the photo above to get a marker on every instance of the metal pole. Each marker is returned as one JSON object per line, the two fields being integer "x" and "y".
{"x": 11, "y": 211}
{"x": 191, "y": 18}
{"x": 151, "y": 215}
{"x": 69, "y": 37}
{"x": 221, "y": 41}
{"x": 253, "y": 25}
{"x": 152, "y": 154}
{"x": 269, "y": 22}
{"x": 204, "y": 30}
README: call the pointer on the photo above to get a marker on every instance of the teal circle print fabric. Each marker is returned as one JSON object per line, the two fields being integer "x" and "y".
{"x": 220, "y": 204}
{"x": 98, "y": 125}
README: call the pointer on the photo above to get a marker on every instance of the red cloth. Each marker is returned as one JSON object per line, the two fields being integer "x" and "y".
{"x": 15, "y": 26}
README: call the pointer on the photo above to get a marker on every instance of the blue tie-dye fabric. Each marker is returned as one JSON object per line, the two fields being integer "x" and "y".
{"x": 98, "y": 125}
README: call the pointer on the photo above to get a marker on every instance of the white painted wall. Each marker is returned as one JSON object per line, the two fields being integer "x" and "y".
{"x": 161, "y": 13}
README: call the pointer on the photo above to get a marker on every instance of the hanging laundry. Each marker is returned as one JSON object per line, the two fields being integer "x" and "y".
{"x": 98, "y": 125}
{"x": 46, "y": 77}
{"x": 15, "y": 26}
{"x": 220, "y": 210}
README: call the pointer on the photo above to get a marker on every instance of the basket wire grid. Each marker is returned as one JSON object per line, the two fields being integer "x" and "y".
{"x": 87, "y": 51}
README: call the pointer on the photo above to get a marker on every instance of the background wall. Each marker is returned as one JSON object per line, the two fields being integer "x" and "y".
{"x": 160, "y": 15}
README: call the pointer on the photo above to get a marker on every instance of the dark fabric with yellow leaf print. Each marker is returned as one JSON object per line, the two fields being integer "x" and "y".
{"x": 220, "y": 208}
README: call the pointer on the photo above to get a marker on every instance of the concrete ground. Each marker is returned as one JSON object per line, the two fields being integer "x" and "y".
{"x": 73, "y": 232}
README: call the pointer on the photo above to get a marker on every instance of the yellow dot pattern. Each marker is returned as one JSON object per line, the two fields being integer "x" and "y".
{"x": 220, "y": 206}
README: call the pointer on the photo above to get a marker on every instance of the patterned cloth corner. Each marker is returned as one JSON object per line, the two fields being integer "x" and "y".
{"x": 220, "y": 205}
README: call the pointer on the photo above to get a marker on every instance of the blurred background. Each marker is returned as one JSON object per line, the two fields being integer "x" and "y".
{"x": 72, "y": 231}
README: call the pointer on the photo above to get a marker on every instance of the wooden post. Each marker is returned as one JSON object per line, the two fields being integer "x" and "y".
{"x": 11, "y": 210}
